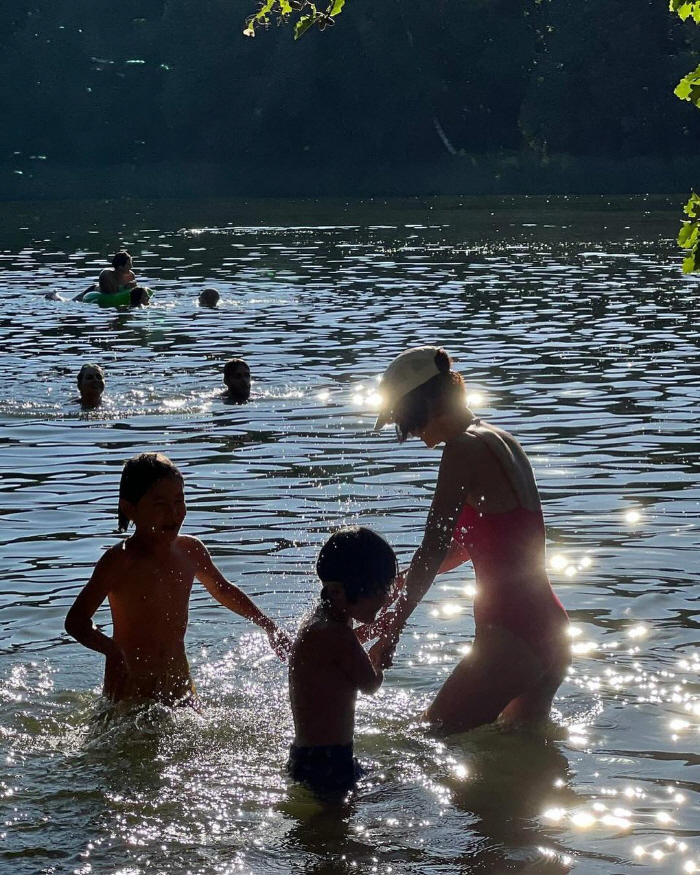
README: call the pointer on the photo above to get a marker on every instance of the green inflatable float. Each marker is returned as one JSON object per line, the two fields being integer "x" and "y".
{"x": 122, "y": 298}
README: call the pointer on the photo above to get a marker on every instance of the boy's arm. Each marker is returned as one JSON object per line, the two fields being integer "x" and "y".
{"x": 355, "y": 663}
{"x": 79, "y": 618}
{"x": 233, "y": 598}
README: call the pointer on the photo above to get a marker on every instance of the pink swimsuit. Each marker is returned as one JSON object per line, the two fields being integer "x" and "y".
{"x": 513, "y": 590}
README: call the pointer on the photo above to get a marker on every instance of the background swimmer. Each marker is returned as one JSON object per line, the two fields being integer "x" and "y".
{"x": 209, "y": 298}
{"x": 118, "y": 277}
{"x": 91, "y": 385}
{"x": 237, "y": 380}
{"x": 139, "y": 297}
{"x": 147, "y": 580}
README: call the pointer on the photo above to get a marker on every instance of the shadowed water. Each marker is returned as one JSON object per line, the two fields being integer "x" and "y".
{"x": 574, "y": 329}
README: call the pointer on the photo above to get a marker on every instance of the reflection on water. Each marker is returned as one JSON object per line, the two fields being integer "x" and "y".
{"x": 573, "y": 328}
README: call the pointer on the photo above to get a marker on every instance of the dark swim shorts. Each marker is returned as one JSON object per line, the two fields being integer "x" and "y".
{"x": 328, "y": 768}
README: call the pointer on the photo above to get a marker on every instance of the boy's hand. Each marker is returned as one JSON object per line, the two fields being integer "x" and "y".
{"x": 368, "y": 631}
{"x": 117, "y": 674}
{"x": 280, "y": 642}
{"x": 381, "y": 655}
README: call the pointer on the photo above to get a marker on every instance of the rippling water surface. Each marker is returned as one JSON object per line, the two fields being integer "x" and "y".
{"x": 573, "y": 327}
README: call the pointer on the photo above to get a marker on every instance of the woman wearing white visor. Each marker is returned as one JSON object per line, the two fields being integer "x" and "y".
{"x": 486, "y": 506}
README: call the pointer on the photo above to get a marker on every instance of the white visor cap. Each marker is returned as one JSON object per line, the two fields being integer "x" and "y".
{"x": 408, "y": 371}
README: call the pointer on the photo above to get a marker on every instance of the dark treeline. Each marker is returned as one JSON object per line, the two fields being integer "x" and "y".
{"x": 395, "y": 86}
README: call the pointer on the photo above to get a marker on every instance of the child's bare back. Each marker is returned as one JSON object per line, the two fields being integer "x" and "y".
{"x": 327, "y": 667}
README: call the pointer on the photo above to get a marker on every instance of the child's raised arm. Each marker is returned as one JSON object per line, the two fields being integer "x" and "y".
{"x": 233, "y": 598}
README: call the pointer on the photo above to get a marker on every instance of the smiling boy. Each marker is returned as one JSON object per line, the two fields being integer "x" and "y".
{"x": 147, "y": 580}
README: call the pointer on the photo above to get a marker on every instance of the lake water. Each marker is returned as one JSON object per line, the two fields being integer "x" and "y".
{"x": 572, "y": 322}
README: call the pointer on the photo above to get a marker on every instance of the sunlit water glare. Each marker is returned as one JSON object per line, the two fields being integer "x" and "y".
{"x": 573, "y": 327}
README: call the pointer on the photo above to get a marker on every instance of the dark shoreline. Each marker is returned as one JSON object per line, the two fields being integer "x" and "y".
{"x": 470, "y": 175}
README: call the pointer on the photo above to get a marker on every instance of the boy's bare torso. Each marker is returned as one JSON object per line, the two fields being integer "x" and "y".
{"x": 111, "y": 279}
{"x": 322, "y": 694}
{"x": 149, "y": 600}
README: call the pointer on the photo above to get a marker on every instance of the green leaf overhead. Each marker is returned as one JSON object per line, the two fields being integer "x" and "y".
{"x": 689, "y": 89}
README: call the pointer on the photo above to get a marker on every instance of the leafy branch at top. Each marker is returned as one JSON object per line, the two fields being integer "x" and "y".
{"x": 686, "y": 9}
{"x": 689, "y": 235}
{"x": 304, "y": 13}
{"x": 689, "y": 89}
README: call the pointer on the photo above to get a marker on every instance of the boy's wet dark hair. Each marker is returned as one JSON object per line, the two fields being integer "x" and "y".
{"x": 231, "y": 366}
{"x": 209, "y": 297}
{"x": 139, "y": 474}
{"x": 121, "y": 259}
{"x": 442, "y": 393}
{"x": 139, "y": 297}
{"x": 358, "y": 559}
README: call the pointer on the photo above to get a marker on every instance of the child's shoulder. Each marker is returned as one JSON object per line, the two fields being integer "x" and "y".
{"x": 318, "y": 630}
{"x": 113, "y": 561}
{"x": 192, "y": 546}
{"x": 189, "y": 541}
{"x": 116, "y": 554}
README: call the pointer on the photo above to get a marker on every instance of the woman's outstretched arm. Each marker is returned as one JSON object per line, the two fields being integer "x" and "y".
{"x": 451, "y": 494}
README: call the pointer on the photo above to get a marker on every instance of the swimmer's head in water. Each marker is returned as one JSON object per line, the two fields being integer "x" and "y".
{"x": 237, "y": 379}
{"x": 139, "y": 297}
{"x": 91, "y": 384}
{"x": 139, "y": 475}
{"x": 209, "y": 298}
{"x": 417, "y": 386}
{"x": 121, "y": 260}
{"x": 359, "y": 561}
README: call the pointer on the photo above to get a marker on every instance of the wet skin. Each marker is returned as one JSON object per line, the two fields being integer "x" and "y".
{"x": 328, "y": 666}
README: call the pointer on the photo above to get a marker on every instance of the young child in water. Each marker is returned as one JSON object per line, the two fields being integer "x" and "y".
{"x": 328, "y": 665}
{"x": 147, "y": 580}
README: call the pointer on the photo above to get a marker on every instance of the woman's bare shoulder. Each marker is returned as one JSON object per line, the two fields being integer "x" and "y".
{"x": 464, "y": 446}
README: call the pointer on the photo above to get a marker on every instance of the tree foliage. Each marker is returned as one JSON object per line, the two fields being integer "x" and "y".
{"x": 304, "y": 13}
{"x": 428, "y": 93}
{"x": 689, "y": 89}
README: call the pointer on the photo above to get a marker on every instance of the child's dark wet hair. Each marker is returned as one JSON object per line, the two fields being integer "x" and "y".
{"x": 139, "y": 474}
{"x": 443, "y": 393}
{"x": 139, "y": 297}
{"x": 121, "y": 259}
{"x": 360, "y": 560}
{"x": 231, "y": 366}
